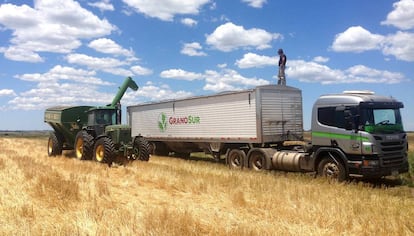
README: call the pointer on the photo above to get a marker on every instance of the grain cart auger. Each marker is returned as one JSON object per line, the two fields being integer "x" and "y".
{"x": 95, "y": 132}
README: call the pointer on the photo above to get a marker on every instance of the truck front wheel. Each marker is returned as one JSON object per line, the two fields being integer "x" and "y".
{"x": 54, "y": 145}
{"x": 235, "y": 158}
{"x": 141, "y": 149}
{"x": 332, "y": 169}
{"x": 104, "y": 151}
{"x": 83, "y": 145}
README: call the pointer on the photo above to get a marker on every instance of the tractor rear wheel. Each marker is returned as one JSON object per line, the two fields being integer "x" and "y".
{"x": 104, "y": 151}
{"x": 83, "y": 145}
{"x": 55, "y": 144}
{"x": 141, "y": 149}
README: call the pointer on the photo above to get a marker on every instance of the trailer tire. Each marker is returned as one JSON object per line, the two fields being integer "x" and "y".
{"x": 54, "y": 144}
{"x": 141, "y": 149}
{"x": 83, "y": 145}
{"x": 257, "y": 160}
{"x": 332, "y": 169}
{"x": 104, "y": 150}
{"x": 235, "y": 158}
{"x": 160, "y": 149}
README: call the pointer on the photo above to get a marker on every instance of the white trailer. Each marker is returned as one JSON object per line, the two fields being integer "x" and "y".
{"x": 263, "y": 116}
{"x": 355, "y": 133}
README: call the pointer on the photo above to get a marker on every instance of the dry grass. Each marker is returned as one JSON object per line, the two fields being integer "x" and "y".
{"x": 170, "y": 196}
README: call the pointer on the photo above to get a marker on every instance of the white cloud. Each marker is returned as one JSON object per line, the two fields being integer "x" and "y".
{"x": 229, "y": 37}
{"x": 97, "y": 63}
{"x": 312, "y": 72}
{"x": 108, "y": 46}
{"x": 189, "y": 22}
{"x": 155, "y": 93}
{"x": 52, "y": 93}
{"x": 180, "y": 75}
{"x": 361, "y": 73}
{"x": 357, "y": 39}
{"x": 255, "y": 3}
{"x": 7, "y": 92}
{"x": 400, "y": 45}
{"x": 18, "y": 53}
{"x": 228, "y": 79}
{"x": 193, "y": 49}
{"x": 139, "y": 70}
{"x": 64, "y": 73}
{"x": 251, "y": 60}
{"x": 402, "y": 16}
{"x": 320, "y": 59}
{"x": 104, "y": 5}
{"x": 50, "y": 26}
{"x": 168, "y": 9}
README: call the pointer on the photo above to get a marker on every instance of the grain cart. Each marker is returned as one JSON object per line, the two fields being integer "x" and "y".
{"x": 356, "y": 133}
{"x": 95, "y": 132}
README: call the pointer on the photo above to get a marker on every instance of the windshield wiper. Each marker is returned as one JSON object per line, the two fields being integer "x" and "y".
{"x": 384, "y": 122}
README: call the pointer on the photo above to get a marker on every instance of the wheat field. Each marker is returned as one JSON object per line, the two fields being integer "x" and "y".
{"x": 40, "y": 195}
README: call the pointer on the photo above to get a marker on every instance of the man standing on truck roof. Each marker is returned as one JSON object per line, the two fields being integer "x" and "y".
{"x": 282, "y": 65}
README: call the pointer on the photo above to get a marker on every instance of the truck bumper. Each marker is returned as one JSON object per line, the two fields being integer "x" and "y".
{"x": 377, "y": 172}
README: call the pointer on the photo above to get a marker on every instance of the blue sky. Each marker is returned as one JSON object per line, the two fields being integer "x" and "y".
{"x": 78, "y": 52}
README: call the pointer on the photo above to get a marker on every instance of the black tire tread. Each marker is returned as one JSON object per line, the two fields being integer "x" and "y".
{"x": 57, "y": 144}
{"x": 142, "y": 148}
{"x": 88, "y": 144}
{"x": 109, "y": 150}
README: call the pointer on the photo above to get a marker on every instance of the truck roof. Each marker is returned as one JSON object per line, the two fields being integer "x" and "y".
{"x": 271, "y": 86}
{"x": 354, "y": 97}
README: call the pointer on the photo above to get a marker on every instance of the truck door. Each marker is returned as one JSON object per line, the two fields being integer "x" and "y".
{"x": 353, "y": 143}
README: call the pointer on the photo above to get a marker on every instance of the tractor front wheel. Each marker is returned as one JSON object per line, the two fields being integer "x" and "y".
{"x": 141, "y": 149}
{"x": 83, "y": 145}
{"x": 104, "y": 151}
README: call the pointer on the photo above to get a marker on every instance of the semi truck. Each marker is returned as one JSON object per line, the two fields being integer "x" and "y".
{"x": 353, "y": 134}
{"x": 95, "y": 132}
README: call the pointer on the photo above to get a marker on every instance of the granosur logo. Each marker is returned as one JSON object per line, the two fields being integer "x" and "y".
{"x": 164, "y": 121}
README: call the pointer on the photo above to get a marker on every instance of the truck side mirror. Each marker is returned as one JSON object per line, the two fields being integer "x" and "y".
{"x": 348, "y": 120}
{"x": 351, "y": 121}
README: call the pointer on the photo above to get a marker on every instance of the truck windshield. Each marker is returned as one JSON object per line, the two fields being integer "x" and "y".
{"x": 383, "y": 120}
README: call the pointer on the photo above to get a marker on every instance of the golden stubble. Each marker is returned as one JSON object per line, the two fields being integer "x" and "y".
{"x": 41, "y": 195}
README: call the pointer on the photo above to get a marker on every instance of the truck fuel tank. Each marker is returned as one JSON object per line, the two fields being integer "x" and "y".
{"x": 287, "y": 160}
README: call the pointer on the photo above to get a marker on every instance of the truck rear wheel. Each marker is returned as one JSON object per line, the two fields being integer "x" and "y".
{"x": 257, "y": 160}
{"x": 83, "y": 145}
{"x": 332, "y": 169}
{"x": 104, "y": 151}
{"x": 54, "y": 144}
{"x": 235, "y": 158}
{"x": 141, "y": 149}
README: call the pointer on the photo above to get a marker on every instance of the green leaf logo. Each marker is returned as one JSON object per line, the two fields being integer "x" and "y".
{"x": 162, "y": 122}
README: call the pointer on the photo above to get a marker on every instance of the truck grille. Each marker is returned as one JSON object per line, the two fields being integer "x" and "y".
{"x": 392, "y": 152}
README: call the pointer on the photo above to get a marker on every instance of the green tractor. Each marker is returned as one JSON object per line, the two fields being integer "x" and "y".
{"x": 95, "y": 132}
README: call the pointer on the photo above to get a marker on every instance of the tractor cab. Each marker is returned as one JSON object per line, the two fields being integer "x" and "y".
{"x": 99, "y": 118}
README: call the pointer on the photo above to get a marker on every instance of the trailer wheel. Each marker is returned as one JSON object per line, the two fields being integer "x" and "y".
{"x": 83, "y": 145}
{"x": 141, "y": 149}
{"x": 54, "y": 145}
{"x": 104, "y": 151}
{"x": 332, "y": 169}
{"x": 235, "y": 158}
{"x": 257, "y": 160}
{"x": 160, "y": 149}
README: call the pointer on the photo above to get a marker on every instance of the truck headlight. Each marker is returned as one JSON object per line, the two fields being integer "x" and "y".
{"x": 367, "y": 147}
